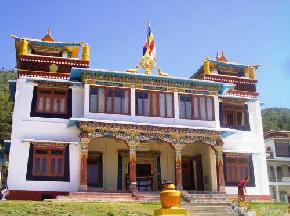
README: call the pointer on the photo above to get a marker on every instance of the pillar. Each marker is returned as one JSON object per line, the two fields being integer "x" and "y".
{"x": 220, "y": 169}
{"x": 132, "y": 165}
{"x": 276, "y": 184}
{"x": 83, "y": 165}
{"x": 178, "y": 166}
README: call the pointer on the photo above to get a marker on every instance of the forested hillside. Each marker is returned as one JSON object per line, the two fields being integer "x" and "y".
{"x": 276, "y": 119}
{"x": 5, "y": 104}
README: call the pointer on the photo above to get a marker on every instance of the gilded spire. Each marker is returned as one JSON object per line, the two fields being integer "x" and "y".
{"x": 48, "y": 36}
{"x": 221, "y": 57}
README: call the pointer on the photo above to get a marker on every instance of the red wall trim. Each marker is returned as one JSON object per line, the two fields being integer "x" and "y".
{"x": 33, "y": 195}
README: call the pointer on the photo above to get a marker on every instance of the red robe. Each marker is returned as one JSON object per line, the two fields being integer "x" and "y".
{"x": 241, "y": 186}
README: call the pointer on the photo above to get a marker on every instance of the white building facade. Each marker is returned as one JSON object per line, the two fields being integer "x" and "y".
{"x": 81, "y": 129}
{"x": 278, "y": 162}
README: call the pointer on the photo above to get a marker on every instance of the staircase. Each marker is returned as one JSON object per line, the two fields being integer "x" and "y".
{"x": 148, "y": 196}
{"x": 212, "y": 209}
{"x": 205, "y": 197}
{"x": 97, "y": 196}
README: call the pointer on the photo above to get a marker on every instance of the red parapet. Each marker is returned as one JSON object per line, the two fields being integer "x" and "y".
{"x": 243, "y": 93}
{"x": 230, "y": 79}
{"x": 43, "y": 74}
{"x": 54, "y": 60}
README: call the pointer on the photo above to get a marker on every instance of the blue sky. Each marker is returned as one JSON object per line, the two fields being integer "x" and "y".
{"x": 250, "y": 32}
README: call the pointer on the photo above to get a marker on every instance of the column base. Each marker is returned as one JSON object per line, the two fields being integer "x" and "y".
{"x": 179, "y": 187}
{"x": 222, "y": 189}
{"x": 83, "y": 188}
{"x": 133, "y": 187}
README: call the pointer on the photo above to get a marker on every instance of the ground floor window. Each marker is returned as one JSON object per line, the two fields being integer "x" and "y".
{"x": 237, "y": 167}
{"x": 48, "y": 162}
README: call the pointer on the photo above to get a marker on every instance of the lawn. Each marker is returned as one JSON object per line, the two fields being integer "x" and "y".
{"x": 21, "y": 208}
{"x": 270, "y": 209}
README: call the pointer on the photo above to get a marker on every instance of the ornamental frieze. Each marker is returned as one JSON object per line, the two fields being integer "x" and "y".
{"x": 130, "y": 133}
{"x": 47, "y": 84}
{"x": 146, "y": 83}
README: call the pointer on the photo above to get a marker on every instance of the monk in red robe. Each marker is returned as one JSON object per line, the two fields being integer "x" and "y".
{"x": 242, "y": 188}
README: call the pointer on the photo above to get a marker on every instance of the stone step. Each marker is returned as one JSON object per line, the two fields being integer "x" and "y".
{"x": 208, "y": 209}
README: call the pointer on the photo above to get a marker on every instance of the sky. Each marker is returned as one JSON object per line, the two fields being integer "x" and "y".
{"x": 249, "y": 32}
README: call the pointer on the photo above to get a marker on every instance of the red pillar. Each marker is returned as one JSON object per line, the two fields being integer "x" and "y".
{"x": 178, "y": 165}
{"x": 132, "y": 165}
{"x": 220, "y": 169}
{"x": 83, "y": 165}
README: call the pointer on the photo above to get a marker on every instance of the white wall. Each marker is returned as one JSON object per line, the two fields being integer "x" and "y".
{"x": 54, "y": 129}
{"x": 251, "y": 142}
{"x": 26, "y": 127}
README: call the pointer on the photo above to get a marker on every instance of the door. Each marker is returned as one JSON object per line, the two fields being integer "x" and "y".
{"x": 187, "y": 174}
{"x": 95, "y": 169}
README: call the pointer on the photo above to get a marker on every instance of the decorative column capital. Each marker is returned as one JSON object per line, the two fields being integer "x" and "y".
{"x": 178, "y": 147}
{"x": 84, "y": 147}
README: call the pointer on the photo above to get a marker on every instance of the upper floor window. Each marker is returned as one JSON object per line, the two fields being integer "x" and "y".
{"x": 197, "y": 107}
{"x": 234, "y": 116}
{"x": 154, "y": 103}
{"x": 109, "y": 100}
{"x": 51, "y": 103}
{"x": 282, "y": 149}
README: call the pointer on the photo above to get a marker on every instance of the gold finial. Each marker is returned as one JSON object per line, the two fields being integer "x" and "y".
{"x": 221, "y": 57}
{"x": 206, "y": 66}
{"x": 147, "y": 63}
{"x": 86, "y": 53}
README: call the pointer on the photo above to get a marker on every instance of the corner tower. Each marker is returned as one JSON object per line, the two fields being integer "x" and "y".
{"x": 49, "y": 58}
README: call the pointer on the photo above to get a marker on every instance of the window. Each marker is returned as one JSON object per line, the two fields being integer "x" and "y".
{"x": 196, "y": 107}
{"x": 154, "y": 103}
{"x": 282, "y": 149}
{"x": 110, "y": 100}
{"x": 238, "y": 167}
{"x": 48, "y": 162}
{"x": 234, "y": 116}
{"x": 51, "y": 103}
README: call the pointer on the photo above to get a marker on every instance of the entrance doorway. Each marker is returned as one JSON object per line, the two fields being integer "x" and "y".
{"x": 144, "y": 177}
{"x": 192, "y": 174}
{"x": 95, "y": 169}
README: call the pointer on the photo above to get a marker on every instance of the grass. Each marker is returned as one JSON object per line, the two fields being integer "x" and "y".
{"x": 270, "y": 209}
{"x": 21, "y": 208}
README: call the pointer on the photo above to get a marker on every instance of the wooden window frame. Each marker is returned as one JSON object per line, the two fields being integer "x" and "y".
{"x": 48, "y": 156}
{"x": 106, "y": 89}
{"x": 234, "y": 109}
{"x": 51, "y": 96}
{"x": 151, "y": 92}
{"x": 278, "y": 145}
{"x": 230, "y": 178}
{"x": 198, "y": 107}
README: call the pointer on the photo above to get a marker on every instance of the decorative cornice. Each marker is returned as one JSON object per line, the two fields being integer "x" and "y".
{"x": 130, "y": 132}
{"x": 45, "y": 144}
{"x": 233, "y": 100}
{"x": 47, "y": 84}
{"x": 148, "y": 82}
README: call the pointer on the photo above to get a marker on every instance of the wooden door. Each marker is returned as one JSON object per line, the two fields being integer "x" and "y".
{"x": 187, "y": 174}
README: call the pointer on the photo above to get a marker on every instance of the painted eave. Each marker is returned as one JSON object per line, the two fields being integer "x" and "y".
{"x": 31, "y": 79}
{"x": 75, "y": 121}
{"x": 49, "y": 141}
{"x": 224, "y": 87}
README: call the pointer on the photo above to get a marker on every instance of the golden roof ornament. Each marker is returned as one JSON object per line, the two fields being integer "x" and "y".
{"x": 147, "y": 63}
